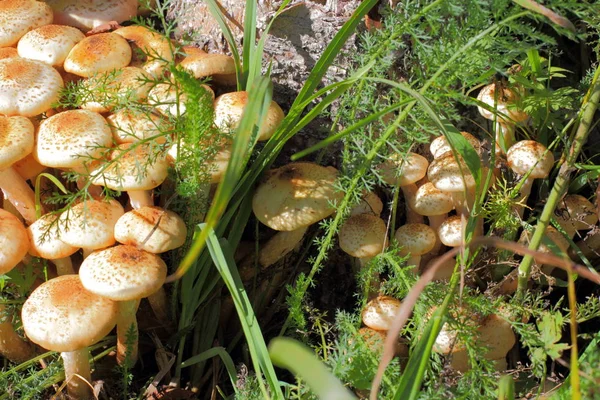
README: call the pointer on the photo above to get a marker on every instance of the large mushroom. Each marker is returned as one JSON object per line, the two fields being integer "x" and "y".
{"x": 89, "y": 14}
{"x": 17, "y": 17}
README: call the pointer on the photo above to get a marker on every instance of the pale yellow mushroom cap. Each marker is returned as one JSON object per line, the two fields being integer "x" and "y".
{"x": 450, "y": 231}
{"x": 61, "y": 315}
{"x": 27, "y": 87}
{"x": 403, "y": 170}
{"x": 98, "y": 53}
{"x": 363, "y": 235}
{"x": 375, "y": 342}
{"x": 431, "y": 201}
{"x": 575, "y": 212}
{"x": 49, "y": 43}
{"x": 151, "y": 229}
{"x": 497, "y": 335}
{"x": 529, "y": 155}
{"x": 551, "y": 234}
{"x": 229, "y": 108}
{"x": 415, "y": 239}
{"x": 380, "y": 312}
{"x": 440, "y": 145}
{"x": 220, "y": 67}
{"x": 16, "y": 140}
{"x": 505, "y": 103}
{"x": 123, "y": 273}
{"x": 296, "y": 195}
{"x": 215, "y": 166}
{"x": 170, "y": 101}
{"x": 14, "y": 243}
{"x": 131, "y": 125}
{"x": 8, "y": 52}
{"x": 449, "y": 175}
{"x": 152, "y": 51}
{"x": 280, "y": 245}
{"x": 45, "y": 234}
{"x": 70, "y": 138}
{"x": 88, "y": 14}
{"x": 369, "y": 204}
{"x": 90, "y": 224}
{"x": 17, "y": 17}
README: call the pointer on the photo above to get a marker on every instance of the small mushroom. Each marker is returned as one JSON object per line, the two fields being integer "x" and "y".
{"x": 363, "y": 236}
{"x": 435, "y": 205}
{"x": 379, "y": 313}
{"x": 416, "y": 240}
{"x": 440, "y": 146}
{"x": 44, "y": 235}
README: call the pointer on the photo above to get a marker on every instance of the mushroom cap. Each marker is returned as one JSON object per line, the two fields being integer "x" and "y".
{"x": 529, "y": 155}
{"x": 296, "y": 195}
{"x": 440, "y": 146}
{"x": 156, "y": 51}
{"x": 363, "y": 235}
{"x": 27, "y": 87}
{"x": 61, "y": 315}
{"x": 16, "y": 140}
{"x": 380, "y": 312}
{"x": 123, "y": 273}
{"x": 17, "y": 17}
{"x": 280, "y": 245}
{"x": 446, "y": 341}
{"x": 44, "y": 235}
{"x": 375, "y": 341}
{"x": 552, "y": 234}
{"x": 450, "y": 231}
{"x": 444, "y": 271}
{"x": 103, "y": 52}
{"x": 505, "y": 103}
{"x": 151, "y": 229}
{"x": 575, "y": 212}
{"x": 132, "y": 125}
{"x": 13, "y": 241}
{"x": 431, "y": 201}
{"x": 400, "y": 170}
{"x": 216, "y": 166}
{"x": 415, "y": 239}
{"x": 133, "y": 168}
{"x": 219, "y": 66}
{"x": 449, "y": 175}
{"x": 88, "y": 14}
{"x": 8, "y": 52}
{"x": 71, "y": 138}
{"x": 229, "y": 108}
{"x": 170, "y": 101}
{"x": 370, "y": 203}
{"x": 49, "y": 43}
{"x": 90, "y": 224}
{"x": 497, "y": 335}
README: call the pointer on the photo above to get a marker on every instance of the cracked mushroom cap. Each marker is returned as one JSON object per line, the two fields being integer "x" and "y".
{"x": 133, "y": 125}
{"x": 123, "y": 273}
{"x": 16, "y": 140}
{"x": 529, "y": 155}
{"x": 415, "y": 239}
{"x": 450, "y": 231}
{"x": 103, "y": 52}
{"x": 220, "y": 67}
{"x": 154, "y": 51}
{"x": 401, "y": 171}
{"x": 152, "y": 229}
{"x": 370, "y": 203}
{"x": 449, "y": 175}
{"x": 90, "y": 224}
{"x": 49, "y": 43}
{"x": 70, "y": 138}
{"x": 17, "y": 17}
{"x": 440, "y": 146}
{"x": 431, "y": 201}
{"x": 27, "y": 87}
{"x": 296, "y": 195}
{"x": 88, "y": 14}
{"x": 61, "y": 315}
{"x": 229, "y": 108}
{"x": 363, "y": 235}
{"x": 575, "y": 212}
{"x": 504, "y": 99}
{"x": 380, "y": 312}
{"x": 14, "y": 242}
{"x": 44, "y": 235}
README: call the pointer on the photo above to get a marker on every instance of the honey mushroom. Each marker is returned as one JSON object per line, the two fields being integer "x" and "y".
{"x": 44, "y": 235}
{"x": 17, "y": 17}
{"x": 89, "y": 14}
{"x": 103, "y": 52}
{"x": 155, "y": 51}
{"x": 220, "y": 67}
{"x": 363, "y": 236}
{"x": 50, "y": 44}
{"x": 416, "y": 240}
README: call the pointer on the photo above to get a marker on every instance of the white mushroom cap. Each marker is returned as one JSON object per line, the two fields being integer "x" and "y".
{"x": 229, "y": 108}
{"x": 151, "y": 229}
{"x": 17, "y": 17}
{"x": 98, "y": 53}
{"x": 123, "y": 273}
{"x": 440, "y": 146}
{"x": 529, "y": 155}
{"x": 363, "y": 235}
{"x": 90, "y": 224}
{"x": 71, "y": 138}
{"x": 220, "y": 67}
{"x": 131, "y": 125}
{"x": 156, "y": 51}
{"x": 575, "y": 212}
{"x": 380, "y": 312}
{"x": 416, "y": 239}
{"x": 296, "y": 195}
{"x": 16, "y": 140}
{"x": 505, "y": 103}
{"x": 280, "y": 245}
{"x": 27, "y": 87}
{"x": 88, "y": 14}
{"x": 401, "y": 171}
{"x": 60, "y": 315}
{"x": 44, "y": 235}
{"x": 450, "y": 176}
{"x": 13, "y": 241}
{"x": 431, "y": 201}
{"x": 49, "y": 43}
{"x": 450, "y": 231}
{"x": 169, "y": 100}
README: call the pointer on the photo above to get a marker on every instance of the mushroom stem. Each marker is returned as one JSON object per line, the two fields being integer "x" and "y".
{"x": 409, "y": 192}
{"x": 64, "y": 266}
{"x": 17, "y": 191}
{"x": 11, "y": 345}
{"x": 158, "y": 303}
{"x": 523, "y": 195}
{"x": 77, "y": 373}
{"x": 414, "y": 260}
{"x": 86, "y": 252}
{"x": 140, "y": 198}
{"x": 434, "y": 223}
{"x": 127, "y": 333}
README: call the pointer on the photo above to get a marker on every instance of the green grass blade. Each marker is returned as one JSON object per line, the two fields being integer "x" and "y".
{"x": 506, "y": 388}
{"x": 293, "y": 355}
{"x": 225, "y": 357}
{"x": 249, "y": 56}
{"x": 223, "y": 260}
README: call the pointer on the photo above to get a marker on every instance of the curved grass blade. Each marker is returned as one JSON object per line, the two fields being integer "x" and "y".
{"x": 225, "y": 357}
{"x": 546, "y": 12}
{"x": 38, "y": 190}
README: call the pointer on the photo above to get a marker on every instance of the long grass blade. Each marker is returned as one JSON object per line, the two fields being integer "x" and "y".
{"x": 249, "y": 56}
{"x": 225, "y": 357}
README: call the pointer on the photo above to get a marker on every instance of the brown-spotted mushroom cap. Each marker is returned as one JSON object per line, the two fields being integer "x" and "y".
{"x": 575, "y": 212}
{"x": 380, "y": 312}
{"x": 449, "y": 175}
{"x": 440, "y": 145}
{"x": 220, "y": 67}
{"x": 415, "y": 239}
{"x": 296, "y": 195}
{"x": 504, "y": 99}
{"x": 370, "y": 203}
{"x": 363, "y": 235}
{"x": 27, "y": 87}
{"x": 404, "y": 170}
{"x": 44, "y": 235}
{"x": 49, "y": 43}
{"x": 529, "y": 155}
{"x": 88, "y": 14}
{"x": 123, "y": 273}
{"x": 70, "y": 138}
{"x": 450, "y": 231}
{"x": 98, "y": 53}
{"x": 8, "y": 52}
{"x": 431, "y": 201}
{"x": 152, "y": 229}
{"x": 17, "y": 17}
{"x": 132, "y": 125}
{"x": 14, "y": 242}
{"x": 61, "y": 315}
{"x": 229, "y": 108}
{"x": 153, "y": 51}
{"x": 16, "y": 140}
{"x": 170, "y": 100}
